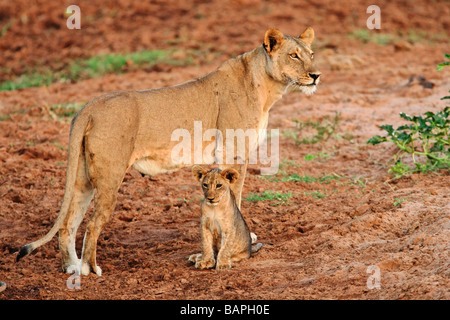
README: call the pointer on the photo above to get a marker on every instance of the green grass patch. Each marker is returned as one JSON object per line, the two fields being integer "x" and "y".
{"x": 114, "y": 63}
{"x": 295, "y": 177}
{"x": 412, "y": 36}
{"x": 319, "y": 156}
{"x": 316, "y": 194}
{"x": 27, "y": 81}
{"x": 308, "y": 179}
{"x": 311, "y": 132}
{"x": 66, "y": 110}
{"x": 5, "y": 27}
{"x": 366, "y": 36}
{"x": 96, "y": 66}
{"x": 276, "y": 196}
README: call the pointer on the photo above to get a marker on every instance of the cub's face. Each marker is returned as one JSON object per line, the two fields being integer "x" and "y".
{"x": 215, "y": 183}
{"x": 291, "y": 60}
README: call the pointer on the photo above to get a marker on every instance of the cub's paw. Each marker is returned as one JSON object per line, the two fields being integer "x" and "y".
{"x": 223, "y": 265}
{"x": 194, "y": 257}
{"x": 205, "y": 264}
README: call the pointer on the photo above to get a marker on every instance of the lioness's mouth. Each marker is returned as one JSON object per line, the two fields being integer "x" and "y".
{"x": 306, "y": 85}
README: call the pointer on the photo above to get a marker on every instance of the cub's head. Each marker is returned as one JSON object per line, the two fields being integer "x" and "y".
{"x": 215, "y": 183}
{"x": 290, "y": 59}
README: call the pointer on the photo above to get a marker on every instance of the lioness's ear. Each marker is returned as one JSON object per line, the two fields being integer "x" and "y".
{"x": 273, "y": 40}
{"x": 230, "y": 174}
{"x": 307, "y": 36}
{"x": 198, "y": 172}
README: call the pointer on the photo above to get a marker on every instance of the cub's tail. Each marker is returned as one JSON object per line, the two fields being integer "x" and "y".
{"x": 257, "y": 246}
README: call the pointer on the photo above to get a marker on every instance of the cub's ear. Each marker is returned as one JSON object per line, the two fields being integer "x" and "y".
{"x": 230, "y": 174}
{"x": 273, "y": 40}
{"x": 198, "y": 172}
{"x": 307, "y": 36}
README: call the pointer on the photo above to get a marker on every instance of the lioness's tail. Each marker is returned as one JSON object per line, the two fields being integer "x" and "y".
{"x": 76, "y": 139}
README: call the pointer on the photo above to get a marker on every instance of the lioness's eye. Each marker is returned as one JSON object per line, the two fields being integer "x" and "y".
{"x": 219, "y": 186}
{"x": 293, "y": 56}
{"x": 312, "y": 55}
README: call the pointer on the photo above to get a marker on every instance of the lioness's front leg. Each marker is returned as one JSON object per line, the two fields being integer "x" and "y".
{"x": 237, "y": 186}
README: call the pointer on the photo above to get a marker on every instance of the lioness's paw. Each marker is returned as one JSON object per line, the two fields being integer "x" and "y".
{"x": 98, "y": 271}
{"x": 85, "y": 269}
{"x": 73, "y": 268}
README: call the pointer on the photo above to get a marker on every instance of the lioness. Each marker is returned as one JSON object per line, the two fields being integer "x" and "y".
{"x": 224, "y": 233}
{"x": 133, "y": 129}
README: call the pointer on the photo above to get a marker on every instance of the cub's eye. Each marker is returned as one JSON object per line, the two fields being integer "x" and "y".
{"x": 205, "y": 185}
{"x": 218, "y": 186}
{"x": 293, "y": 56}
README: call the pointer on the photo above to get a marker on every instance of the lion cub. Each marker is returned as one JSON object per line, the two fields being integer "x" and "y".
{"x": 224, "y": 233}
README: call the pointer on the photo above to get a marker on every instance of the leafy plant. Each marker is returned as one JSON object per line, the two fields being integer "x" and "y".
{"x": 398, "y": 201}
{"x": 443, "y": 64}
{"x": 426, "y": 137}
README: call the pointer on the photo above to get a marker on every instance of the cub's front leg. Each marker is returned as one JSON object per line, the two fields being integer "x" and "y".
{"x": 225, "y": 252}
{"x": 206, "y": 260}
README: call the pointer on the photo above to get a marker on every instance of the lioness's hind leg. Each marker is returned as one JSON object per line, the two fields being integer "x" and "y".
{"x": 67, "y": 234}
{"x": 82, "y": 196}
{"x": 104, "y": 203}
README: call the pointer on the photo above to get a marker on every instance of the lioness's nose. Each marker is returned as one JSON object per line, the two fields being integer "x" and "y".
{"x": 315, "y": 75}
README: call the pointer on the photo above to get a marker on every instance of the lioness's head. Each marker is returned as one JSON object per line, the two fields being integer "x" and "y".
{"x": 215, "y": 183}
{"x": 291, "y": 60}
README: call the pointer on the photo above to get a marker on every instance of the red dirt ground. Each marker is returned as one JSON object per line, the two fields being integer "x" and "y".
{"x": 322, "y": 247}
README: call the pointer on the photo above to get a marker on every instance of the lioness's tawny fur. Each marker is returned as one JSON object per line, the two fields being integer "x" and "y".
{"x": 224, "y": 232}
{"x": 133, "y": 129}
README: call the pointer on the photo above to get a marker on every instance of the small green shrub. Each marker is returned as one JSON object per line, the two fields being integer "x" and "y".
{"x": 425, "y": 139}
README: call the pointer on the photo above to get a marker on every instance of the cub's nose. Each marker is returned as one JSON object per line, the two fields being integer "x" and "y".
{"x": 210, "y": 198}
{"x": 315, "y": 75}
